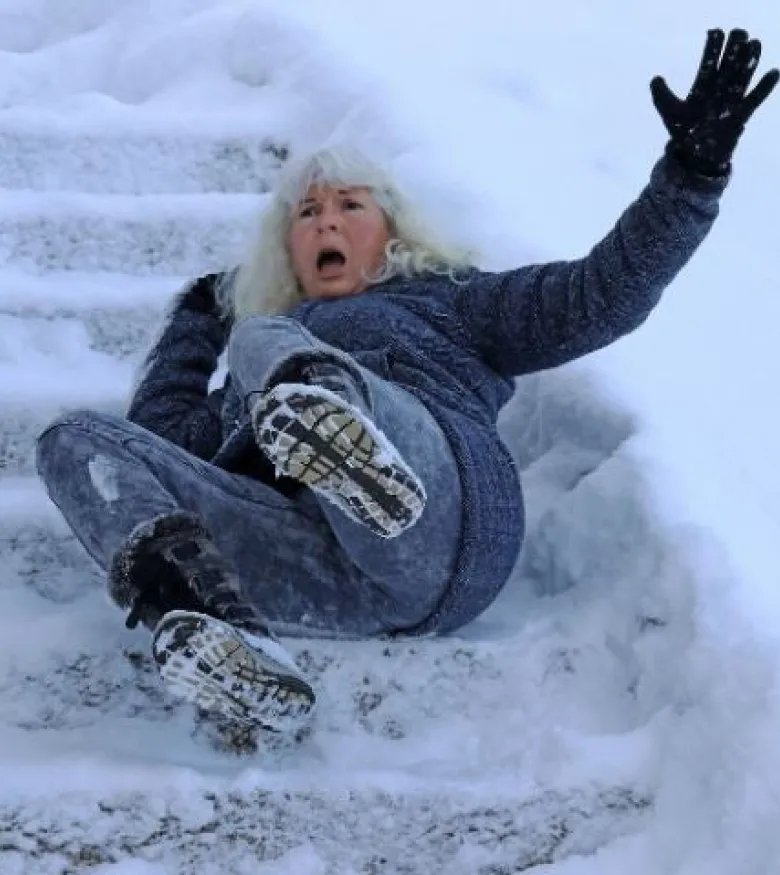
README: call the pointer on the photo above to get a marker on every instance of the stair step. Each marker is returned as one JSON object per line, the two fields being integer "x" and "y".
{"x": 47, "y": 155}
{"x": 106, "y": 313}
{"x": 83, "y": 292}
{"x": 122, "y": 334}
{"x": 147, "y": 235}
{"x": 338, "y": 828}
{"x": 50, "y": 359}
{"x": 47, "y": 367}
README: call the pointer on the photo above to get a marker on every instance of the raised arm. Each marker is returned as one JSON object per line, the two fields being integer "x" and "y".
{"x": 172, "y": 397}
{"x": 545, "y": 315}
{"x": 542, "y": 316}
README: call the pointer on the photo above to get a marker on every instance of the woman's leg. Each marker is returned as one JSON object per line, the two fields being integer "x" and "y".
{"x": 109, "y": 476}
{"x": 415, "y": 566}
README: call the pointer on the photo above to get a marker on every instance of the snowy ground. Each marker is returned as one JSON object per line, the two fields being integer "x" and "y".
{"x": 618, "y": 708}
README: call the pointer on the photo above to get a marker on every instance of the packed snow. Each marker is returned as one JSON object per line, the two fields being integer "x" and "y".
{"x": 618, "y": 708}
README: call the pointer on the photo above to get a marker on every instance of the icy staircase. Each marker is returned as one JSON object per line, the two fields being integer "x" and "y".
{"x": 428, "y": 756}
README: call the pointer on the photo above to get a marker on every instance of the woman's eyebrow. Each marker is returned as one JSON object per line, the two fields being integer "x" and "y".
{"x": 344, "y": 192}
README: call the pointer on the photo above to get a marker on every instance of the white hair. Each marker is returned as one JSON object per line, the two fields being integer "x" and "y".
{"x": 265, "y": 282}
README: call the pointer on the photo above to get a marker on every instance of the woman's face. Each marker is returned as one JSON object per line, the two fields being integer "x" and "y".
{"x": 337, "y": 236}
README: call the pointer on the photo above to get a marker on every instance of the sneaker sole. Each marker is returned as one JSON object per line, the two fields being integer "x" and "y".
{"x": 212, "y": 665}
{"x": 315, "y": 437}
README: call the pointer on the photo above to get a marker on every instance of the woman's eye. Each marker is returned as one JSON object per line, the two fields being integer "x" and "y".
{"x": 305, "y": 212}
{"x": 353, "y": 205}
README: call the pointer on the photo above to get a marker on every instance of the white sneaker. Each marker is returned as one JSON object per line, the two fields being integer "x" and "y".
{"x": 227, "y": 671}
{"x": 316, "y": 437}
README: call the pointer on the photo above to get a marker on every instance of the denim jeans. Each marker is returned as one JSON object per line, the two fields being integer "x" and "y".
{"x": 310, "y": 569}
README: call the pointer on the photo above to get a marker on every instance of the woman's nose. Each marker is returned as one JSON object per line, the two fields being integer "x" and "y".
{"x": 329, "y": 220}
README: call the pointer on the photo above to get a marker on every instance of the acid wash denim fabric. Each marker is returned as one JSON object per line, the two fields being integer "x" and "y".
{"x": 310, "y": 569}
{"x": 457, "y": 347}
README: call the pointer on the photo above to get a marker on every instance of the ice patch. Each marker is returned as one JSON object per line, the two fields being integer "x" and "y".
{"x": 103, "y": 473}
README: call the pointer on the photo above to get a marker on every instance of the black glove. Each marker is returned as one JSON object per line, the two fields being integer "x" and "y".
{"x": 706, "y": 126}
{"x": 199, "y": 295}
{"x": 202, "y": 296}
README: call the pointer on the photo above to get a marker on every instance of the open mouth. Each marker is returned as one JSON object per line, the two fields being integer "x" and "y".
{"x": 330, "y": 258}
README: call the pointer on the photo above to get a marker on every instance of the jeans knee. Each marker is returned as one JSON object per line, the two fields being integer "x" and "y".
{"x": 58, "y": 434}
{"x": 80, "y": 418}
{"x": 251, "y": 331}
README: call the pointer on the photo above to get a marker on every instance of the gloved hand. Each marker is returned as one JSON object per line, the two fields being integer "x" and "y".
{"x": 706, "y": 126}
{"x": 199, "y": 296}
{"x": 203, "y": 296}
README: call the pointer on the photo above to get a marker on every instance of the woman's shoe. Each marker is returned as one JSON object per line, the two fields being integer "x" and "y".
{"x": 223, "y": 669}
{"x": 313, "y": 435}
{"x": 211, "y": 646}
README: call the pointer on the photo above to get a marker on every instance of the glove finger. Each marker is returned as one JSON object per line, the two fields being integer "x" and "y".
{"x": 748, "y": 59}
{"x": 726, "y": 92}
{"x": 665, "y": 100}
{"x": 760, "y": 93}
{"x": 731, "y": 54}
{"x": 709, "y": 60}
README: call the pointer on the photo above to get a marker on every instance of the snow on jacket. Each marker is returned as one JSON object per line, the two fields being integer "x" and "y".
{"x": 457, "y": 347}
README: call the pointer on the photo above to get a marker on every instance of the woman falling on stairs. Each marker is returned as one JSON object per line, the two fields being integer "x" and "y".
{"x": 347, "y": 480}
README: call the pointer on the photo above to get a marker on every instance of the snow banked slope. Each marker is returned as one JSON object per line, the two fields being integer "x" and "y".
{"x": 612, "y": 711}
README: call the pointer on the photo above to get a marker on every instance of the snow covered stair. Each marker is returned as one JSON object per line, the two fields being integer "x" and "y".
{"x": 76, "y": 338}
{"x": 136, "y": 234}
{"x": 354, "y": 831}
{"x": 40, "y": 153}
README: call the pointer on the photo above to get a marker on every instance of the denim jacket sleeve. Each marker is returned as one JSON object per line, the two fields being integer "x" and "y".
{"x": 542, "y": 316}
{"x": 172, "y": 396}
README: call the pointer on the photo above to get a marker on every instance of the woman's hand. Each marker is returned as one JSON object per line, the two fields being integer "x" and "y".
{"x": 706, "y": 126}
{"x": 206, "y": 295}
{"x": 200, "y": 296}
